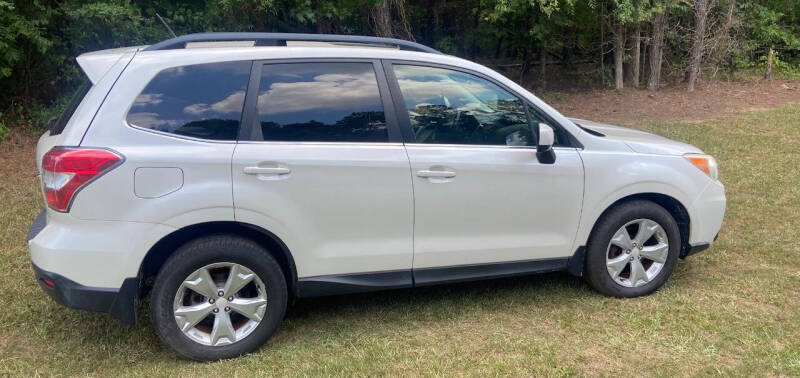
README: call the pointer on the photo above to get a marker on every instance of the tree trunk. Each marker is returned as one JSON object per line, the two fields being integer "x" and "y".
{"x": 524, "y": 69}
{"x": 619, "y": 55}
{"x": 388, "y": 19}
{"x": 498, "y": 47}
{"x": 701, "y": 9}
{"x": 636, "y": 38}
{"x": 770, "y": 58}
{"x": 602, "y": 42}
{"x": 726, "y": 26}
{"x": 543, "y": 60}
{"x": 657, "y": 49}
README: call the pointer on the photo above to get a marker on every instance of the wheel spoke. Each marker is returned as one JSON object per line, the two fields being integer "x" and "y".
{"x": 622, "y": 239}
{"x": 238, "y": 278}
{"x": 616, "y": 265}
{"x": 200, "y": 298}
{"x": 189, "y": 316}
{"x": 657, "y": 253}
{"x": 646, "y": 230}
{"x": 253, "y": 308}
{"x": 201, "y": 283}
{"x": 637, "y": 273}
{"x": 223, "y": 329}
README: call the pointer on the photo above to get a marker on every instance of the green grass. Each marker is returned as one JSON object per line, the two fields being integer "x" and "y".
{"x": 731, "y": 310}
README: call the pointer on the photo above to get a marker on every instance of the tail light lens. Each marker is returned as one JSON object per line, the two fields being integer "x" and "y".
{"x": 66, "y": 170}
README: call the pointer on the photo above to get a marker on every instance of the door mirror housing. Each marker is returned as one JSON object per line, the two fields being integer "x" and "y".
{"x": 544, "y": 147}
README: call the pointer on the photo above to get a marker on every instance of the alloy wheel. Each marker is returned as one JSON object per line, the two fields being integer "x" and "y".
{"x": 637, "y": 253}
{"x": 220, "y": 304}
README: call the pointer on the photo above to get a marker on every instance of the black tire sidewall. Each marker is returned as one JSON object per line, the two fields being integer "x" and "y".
{"x": 596, "y": 272}
{"x": 202, "y": 252}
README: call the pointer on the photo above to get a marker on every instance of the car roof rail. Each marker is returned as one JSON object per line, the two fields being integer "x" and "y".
{"x": 280, "y": 39}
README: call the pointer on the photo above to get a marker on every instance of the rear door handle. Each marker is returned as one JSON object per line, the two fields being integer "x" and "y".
{"x": 266, "y": 170}
{"x": 436, "y": 174}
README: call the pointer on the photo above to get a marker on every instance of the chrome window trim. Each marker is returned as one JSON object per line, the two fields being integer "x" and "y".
{"x": 178, "y": 136}
{"x": 485, "y": 146}
{"x": 290, "y": 143}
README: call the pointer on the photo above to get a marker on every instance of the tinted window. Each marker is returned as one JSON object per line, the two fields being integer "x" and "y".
{"x": 452, "y": 107}
{"x": 201, "y": 101}
{"x": 57, "y": 126}
{"x": 321, "y": 102}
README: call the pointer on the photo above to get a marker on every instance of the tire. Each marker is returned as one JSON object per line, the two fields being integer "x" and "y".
{"x": 605, "y": 256}
{"x": 215, "y": 254}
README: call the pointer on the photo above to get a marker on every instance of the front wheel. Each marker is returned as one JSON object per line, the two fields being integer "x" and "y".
{"x": 218, "y": 297}
{"x": 632, "y": 250}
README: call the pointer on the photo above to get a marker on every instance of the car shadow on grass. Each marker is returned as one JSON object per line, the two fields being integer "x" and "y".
{"x": 441, "y": 300}
{"x": 85, "y": 336}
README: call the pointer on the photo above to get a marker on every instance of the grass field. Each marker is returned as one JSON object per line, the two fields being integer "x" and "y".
{"x": 731, "y": 310}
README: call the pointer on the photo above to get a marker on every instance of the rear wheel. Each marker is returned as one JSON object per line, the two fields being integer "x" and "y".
{"x": 633, "y": 249}
{"x": 218, "y": 297}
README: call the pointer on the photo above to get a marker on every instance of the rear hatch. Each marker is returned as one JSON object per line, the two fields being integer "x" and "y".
{"x": 102, "y": 68}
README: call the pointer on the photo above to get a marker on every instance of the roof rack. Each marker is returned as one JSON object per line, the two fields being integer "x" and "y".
{"x": 279, "y": 39}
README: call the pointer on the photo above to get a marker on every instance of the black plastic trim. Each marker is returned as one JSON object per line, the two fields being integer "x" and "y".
{"x": 280, "y": 39}
{"x": 433, "y": 276}
{"x": 353, "y": 283}
{"x": 120, "y": 303}
{"x": 576, "y": 262}
{"x": 400, "y": 279}
{"x": 39, "y": 223}
{"x": 248, "y": 129}
{"x": 694, "y": 248}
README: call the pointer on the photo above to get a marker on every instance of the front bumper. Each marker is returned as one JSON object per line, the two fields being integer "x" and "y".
{"x": 120, "y": 303}
{"x": 706, "y": 214}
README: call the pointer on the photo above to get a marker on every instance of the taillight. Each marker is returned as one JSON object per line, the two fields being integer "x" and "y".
{"x": 66, "y": 170}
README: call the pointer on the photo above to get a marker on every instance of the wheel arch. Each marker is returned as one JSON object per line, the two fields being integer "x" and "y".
{"x": 167, "y": 245}
{"x": 675, "y": 208}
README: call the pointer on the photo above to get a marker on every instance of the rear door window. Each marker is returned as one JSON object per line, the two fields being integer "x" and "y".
{"x": 321, "y": 102}
{"x": 201, "y": 101}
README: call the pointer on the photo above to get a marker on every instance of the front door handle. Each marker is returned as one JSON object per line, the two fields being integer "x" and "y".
{"x": 266, "y": 170}
{"x": 436, "y": 174}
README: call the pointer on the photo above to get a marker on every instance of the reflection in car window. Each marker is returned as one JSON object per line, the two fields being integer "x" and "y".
{"x": 201, "y": 101}
{"x": 321, "y": 102}
{"x": 452, "y": 107}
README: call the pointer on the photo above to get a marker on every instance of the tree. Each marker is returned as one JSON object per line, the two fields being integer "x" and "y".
{"x": 388, "y": 19}
{"x": 636, "y": 52}
{"x": 619, "y": 54}
{"x": 659, "y": 28}
{"x": 627, "y": 14}
{"x": 701, "y": 10}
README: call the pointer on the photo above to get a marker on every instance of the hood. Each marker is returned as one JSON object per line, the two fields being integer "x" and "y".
{"x": 638, "y": 141}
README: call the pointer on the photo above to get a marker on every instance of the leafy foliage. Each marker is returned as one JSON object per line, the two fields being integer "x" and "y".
{"x": 39, "y": 39}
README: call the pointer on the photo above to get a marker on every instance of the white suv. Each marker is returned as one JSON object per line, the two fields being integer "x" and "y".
{"x": 226, "y": 173}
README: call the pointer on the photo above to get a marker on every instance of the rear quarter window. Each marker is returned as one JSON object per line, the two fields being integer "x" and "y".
{"x": 201, "y": 101}
{"x": 57, "y": 125}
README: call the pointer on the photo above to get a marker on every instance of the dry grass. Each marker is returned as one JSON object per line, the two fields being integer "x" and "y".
{"x": 732, "y": 310}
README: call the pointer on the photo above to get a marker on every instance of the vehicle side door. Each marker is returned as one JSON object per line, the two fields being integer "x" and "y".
{"x": 321, "y": 165}
{"x": 481, "y": 196}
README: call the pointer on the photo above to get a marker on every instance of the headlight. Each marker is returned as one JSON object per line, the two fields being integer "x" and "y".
{"x": 705, "y": 163}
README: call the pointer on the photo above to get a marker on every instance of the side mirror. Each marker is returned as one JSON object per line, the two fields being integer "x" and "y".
{"x": 544, "y": 147}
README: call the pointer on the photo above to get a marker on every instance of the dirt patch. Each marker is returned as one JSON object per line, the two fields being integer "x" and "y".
{"x": 709, "y": 101}
{"x": 17, "y": 153}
